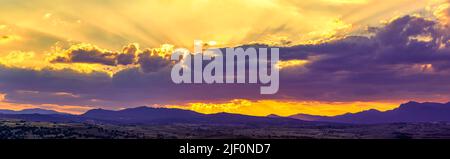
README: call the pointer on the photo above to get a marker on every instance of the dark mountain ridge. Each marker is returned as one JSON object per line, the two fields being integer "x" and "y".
{"x": 411, "y": 112}
{"x": 29, "y": 111}
{"x": 147, "y": 115}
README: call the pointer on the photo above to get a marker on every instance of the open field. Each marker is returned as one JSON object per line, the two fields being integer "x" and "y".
{"x": 18, "y": 129}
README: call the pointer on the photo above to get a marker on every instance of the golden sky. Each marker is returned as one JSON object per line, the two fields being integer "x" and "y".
{"x": 113, "y": 23}
{"x": 31, "y": 32}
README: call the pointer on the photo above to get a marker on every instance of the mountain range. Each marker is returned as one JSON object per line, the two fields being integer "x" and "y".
{"x": 148, "y": 115}
{"x": 29, "y": 111}
{"x": 411, "y": 112}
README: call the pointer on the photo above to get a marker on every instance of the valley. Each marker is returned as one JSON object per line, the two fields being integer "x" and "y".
{"x": 19, "y": 129}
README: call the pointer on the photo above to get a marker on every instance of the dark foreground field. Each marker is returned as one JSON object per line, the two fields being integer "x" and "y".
{"x": 18, "y": 129}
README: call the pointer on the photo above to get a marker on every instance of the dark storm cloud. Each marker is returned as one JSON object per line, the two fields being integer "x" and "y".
{"x": 87, "y": 54}
{"x": 50, "y": 86}
{"x": 51, "y": 80}
{"x": 407, "y": 59}
{"x": 128, "y": 55}
{"x": 148, "y": 60}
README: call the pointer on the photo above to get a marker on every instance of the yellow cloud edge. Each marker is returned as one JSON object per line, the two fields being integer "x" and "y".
{"x": 285, "y": 107}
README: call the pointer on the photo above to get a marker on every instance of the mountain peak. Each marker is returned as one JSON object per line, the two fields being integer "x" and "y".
{"x": 273, "y": 116}
{"x": 372, "y": 111}
{"x": 30, "y": 111}
{"x": 140, "y": 107}
{"x": 412, "y": 102}
{"x": 422, "y": 106}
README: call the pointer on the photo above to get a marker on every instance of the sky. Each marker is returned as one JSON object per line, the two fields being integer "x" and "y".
{"x": 338, "y": 56}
